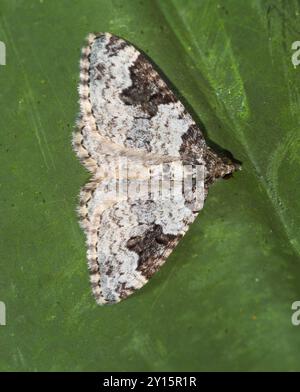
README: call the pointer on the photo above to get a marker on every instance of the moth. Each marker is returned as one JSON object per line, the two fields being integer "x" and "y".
{"x": 128, "y": 113}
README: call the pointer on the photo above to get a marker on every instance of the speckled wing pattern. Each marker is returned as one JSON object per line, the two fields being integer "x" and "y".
{"x": 127, "y": 110}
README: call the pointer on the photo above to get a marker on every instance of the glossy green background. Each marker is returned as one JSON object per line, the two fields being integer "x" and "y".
{"x": 223, "y": 300}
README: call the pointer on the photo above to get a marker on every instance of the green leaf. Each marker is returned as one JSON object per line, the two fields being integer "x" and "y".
{"x": 223, "y": 299}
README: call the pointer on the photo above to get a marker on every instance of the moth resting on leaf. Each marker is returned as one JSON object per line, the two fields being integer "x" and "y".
{"x": 127, "y": 111}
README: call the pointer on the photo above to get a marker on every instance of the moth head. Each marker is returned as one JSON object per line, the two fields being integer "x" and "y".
{"x": 219, "y": 166}
{"x": 226, "y": 167}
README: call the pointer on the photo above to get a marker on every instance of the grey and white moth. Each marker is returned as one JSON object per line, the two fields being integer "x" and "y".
{"x": 133, "y": 133}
